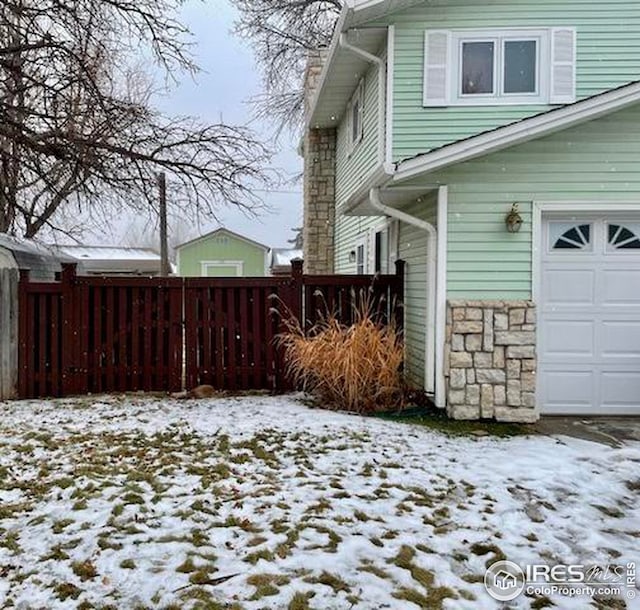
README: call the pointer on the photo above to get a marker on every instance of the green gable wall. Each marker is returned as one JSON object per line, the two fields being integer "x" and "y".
{"x": 596, "y": 162}
{"x": 221, "y": 247}
{"x": 608, "y": 45}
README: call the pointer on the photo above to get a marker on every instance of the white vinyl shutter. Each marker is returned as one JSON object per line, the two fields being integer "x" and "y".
{"x": 436, "y": 68}
{"x": 563, "y": 65}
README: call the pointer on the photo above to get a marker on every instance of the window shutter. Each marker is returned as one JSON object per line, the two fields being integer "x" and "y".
{"x": 563, "y": 65}
{"x": 436, "y": 68}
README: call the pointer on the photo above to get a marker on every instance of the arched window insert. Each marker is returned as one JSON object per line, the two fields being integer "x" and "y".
{"x": 622, "y": 238}
{"x": 576, "y": 238}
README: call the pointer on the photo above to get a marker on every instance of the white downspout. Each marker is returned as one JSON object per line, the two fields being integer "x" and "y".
{"x": 432, "y": 239}
{"x": 382, "y": 84}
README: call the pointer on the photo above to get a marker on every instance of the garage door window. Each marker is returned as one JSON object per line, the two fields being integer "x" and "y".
{"x": 623, "y": 237}
{"x": 567, "y": 236}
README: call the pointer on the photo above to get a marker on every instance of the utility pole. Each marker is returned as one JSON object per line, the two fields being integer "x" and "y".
{"x": 164, "y": 246}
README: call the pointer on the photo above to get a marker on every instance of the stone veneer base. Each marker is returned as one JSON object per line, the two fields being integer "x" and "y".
{"x": 490, "y": 360}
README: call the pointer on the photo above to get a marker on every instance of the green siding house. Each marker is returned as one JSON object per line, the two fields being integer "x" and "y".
{"x": 222, "y": 253}
{"x": 496, "y": 149}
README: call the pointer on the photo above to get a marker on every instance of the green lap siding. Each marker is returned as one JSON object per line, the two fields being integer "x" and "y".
{"x": 608, "y": 55}
{"x": 412, "y": 248}
{"x": 597, "y": 162}
{"x": 349, "y": 231}
{"x": 355, "y": 164}
{"x": 353, "y": 168}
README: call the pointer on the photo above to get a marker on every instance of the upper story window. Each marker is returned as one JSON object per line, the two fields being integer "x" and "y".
{"x": 496, "y": 67}
{"x": 355, "y": 111}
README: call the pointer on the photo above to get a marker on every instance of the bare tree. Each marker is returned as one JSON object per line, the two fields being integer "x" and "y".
{"x": 297, "y": 240}
{"x": 281, "y": 33}
{"x": 77, "y": 124}
{"x": 144, "y": 233}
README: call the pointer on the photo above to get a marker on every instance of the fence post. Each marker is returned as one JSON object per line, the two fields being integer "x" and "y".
{"x": 397, "y": 300}
{"x": 69, "y": 335}
{"x": 297, "y": 290}
{"x": 23, "y": 339}
{"x": 8, "y": 333}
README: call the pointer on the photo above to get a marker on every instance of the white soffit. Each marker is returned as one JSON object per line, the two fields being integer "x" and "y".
{"x": 342, "y": 74}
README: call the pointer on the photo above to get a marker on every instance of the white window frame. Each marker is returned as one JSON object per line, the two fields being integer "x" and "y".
{"x": 367, "y": 239}
{"x": 380, "y": 227}
{"x": 499, "y": 37}
{"x": 361, "y": 242}
{"x": 205, "y": 265}
{"x": 358, "y": 97}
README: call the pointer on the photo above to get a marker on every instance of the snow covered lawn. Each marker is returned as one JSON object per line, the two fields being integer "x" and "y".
{"x": 143, "y": 503}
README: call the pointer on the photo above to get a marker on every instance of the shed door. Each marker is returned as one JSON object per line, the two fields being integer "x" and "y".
{"x": 589, "y": 337}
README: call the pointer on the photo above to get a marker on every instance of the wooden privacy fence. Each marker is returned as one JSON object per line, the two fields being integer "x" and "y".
{"x": 122, "y": 334}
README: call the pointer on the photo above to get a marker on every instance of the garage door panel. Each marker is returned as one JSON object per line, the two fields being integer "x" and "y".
{"x": 620, "y": 287}
{"x": 620, "y": 389}
{"x": 589, "y": 323}
{"x": 568, "y": 388}
{"x": 620, "y": 339}
{"x": 566, "y": 338}
{"x": 569, "y": 287}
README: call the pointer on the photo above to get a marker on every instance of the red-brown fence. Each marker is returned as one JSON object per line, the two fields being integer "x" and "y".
{"x": 108, "y": 334}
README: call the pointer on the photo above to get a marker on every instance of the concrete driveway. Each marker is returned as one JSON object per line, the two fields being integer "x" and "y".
{"x": 612, "y": 431}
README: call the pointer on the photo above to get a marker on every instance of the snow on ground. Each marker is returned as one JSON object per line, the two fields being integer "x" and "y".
{"x": 150, "y": 503}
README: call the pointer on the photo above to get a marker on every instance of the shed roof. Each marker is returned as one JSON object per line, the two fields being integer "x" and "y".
{"x": 42, "y": 262}
{"x": 222, "y": 230}
{"x": 102, "y": 260}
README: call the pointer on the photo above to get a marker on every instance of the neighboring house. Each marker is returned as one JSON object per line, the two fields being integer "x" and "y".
{"x": 222, "y": 253}
{"x": 280, "y": 260}
{"x": 42, "y": 263}
{"x": 428, "y": 121}
{"x": 112, "y": 260}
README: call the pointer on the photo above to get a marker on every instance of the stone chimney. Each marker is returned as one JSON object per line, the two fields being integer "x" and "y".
{"x": 319, "y": 148}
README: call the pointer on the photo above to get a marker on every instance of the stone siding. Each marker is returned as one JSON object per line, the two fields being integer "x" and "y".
{"x": 319, "y": 201}
{"x": 490, "y": 360}
{"x": 319, "y": 151}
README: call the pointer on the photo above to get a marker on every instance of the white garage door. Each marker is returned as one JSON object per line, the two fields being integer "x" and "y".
{"x": 589, "y": 339}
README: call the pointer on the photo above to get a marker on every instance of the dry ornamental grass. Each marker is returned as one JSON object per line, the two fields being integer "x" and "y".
{"x": 353, "y": 368}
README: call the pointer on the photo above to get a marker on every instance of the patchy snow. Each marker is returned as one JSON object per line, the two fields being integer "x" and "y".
{"x": 136, "y": 502}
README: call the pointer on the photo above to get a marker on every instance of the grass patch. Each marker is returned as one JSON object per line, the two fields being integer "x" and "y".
{"x": 84, "y": 570}
{"x": 255, "y": 557}
{"x": 266, "y": 585}
{"x": 330, "y": 580}
{"x": 431, "y": 600}
{"x": 66, "y": 590}
{"x": 482, "y": 549}
{"x": 435, "y": 419}
{"x": 300, "y": 601}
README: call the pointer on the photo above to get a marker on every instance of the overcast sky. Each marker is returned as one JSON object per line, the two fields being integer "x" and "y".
{"x": 228, "y": 79}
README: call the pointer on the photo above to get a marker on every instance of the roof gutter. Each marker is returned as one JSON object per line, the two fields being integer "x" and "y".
{"x": 382, "y": 83}
{"x": 432, "y": 242}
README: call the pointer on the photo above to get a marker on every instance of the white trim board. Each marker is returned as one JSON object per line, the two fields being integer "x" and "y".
{"x": 441, "y": 296}
{"x": 539, "y": 208}
{"x": 388, "y": 144}
{"x": 239, "y": 265}
{"x": 517, "y": 133}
